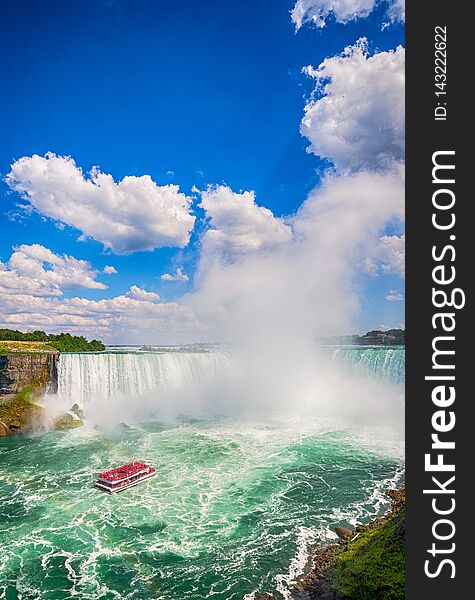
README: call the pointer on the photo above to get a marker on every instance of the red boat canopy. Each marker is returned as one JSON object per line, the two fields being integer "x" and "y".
{"x": 124, "y": 471}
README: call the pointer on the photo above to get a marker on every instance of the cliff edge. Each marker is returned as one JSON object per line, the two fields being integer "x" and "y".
{"x": 23, "y": 369}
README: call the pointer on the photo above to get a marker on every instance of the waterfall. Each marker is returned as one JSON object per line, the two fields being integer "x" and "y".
{"x": 378, "y": 363}
{"x": 92, "y": 378}
{"x": 85, "y": 377}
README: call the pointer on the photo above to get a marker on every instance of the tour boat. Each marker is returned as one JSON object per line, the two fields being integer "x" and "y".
{"x": 124, "y": 477}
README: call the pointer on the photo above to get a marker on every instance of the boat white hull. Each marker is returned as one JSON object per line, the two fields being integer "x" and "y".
{"x": 110, "y": 490}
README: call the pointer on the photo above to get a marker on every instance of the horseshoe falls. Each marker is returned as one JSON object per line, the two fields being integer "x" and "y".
{"x": 240, "y": 499}
{"x": 84, "y": 377}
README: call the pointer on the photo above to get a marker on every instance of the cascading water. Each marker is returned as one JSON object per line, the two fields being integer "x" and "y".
{"x": 381, "y": 363}
{"x": 84, "y": 378}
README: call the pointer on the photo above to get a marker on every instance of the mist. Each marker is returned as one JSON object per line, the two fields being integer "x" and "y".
{"x": 270, "y": 306}
{"x": 274, "y": 303}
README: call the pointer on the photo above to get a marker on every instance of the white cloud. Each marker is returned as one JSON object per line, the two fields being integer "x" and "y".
{"x": 387, "y": 257}
{"x": 370, "y": 267}
{"x": 11, "y": 282}
{"x": 352, "y": 208}
{"x": 394, "y": 296}
{"x": 356, "y": 118}
{"x": 318, "y": 11}
{"x": 238, "y": 225}
{"x": 31, "y": 285}
{"x": 283, "y": 289}
{"x": 121, "y": 318}
{"x": 131, "y": 215}
{"x": 305, "y": 286}
{"x": 109, "y": 270}
{"x": 179, "y": 275}
{"x": 137, "y": 293}
{"x": 136, "y": 316}
{"x": 397, "y": 11}
{"x": 385, "y": 327}
{"x": 391, "y": 252}
{"x": 39, "y": 271}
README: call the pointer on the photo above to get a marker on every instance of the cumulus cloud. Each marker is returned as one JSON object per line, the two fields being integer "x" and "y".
{"x": 30, "y": 298}
{"x": 11, "y": 282}
{"x": 318, "y": 12}
{"x": 391, "y": 252}
{"x": 131, "y": 215}
{"x": 369, "y": 266}
{"x": 239, "y": 226}
{"x": 179, "y": 275}
{"x": 122, "y": 318}
{"x": 303, "y": 287}
{"x": 385, "y": 327}
{"x": 137, "y": 293}
{"x": 31, "y": 289}
{"x": 394, "y": 296}
{"x": 387, "y": 257}
{"x": 38, "y": 271}
{"x": 109, "y": 270}
{"x": 355, "y": 118}
{"x": 397, "y": 11}
{"x": 352, "y": 208}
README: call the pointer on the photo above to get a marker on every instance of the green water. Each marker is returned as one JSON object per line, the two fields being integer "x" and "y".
{"x": 380, "y": 363}
{"x": 235, "y": 509}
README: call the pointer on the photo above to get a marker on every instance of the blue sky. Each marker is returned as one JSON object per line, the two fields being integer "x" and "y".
{"x": 190, "y": 93}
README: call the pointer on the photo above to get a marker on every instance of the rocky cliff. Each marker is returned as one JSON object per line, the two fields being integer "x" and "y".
{"x": 19, "y": 370}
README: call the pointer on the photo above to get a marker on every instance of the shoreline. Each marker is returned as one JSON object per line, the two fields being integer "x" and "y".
{"x": 336, "y": 567}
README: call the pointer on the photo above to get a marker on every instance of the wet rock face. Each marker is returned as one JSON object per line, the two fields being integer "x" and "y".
{"x": 18, "y": 370}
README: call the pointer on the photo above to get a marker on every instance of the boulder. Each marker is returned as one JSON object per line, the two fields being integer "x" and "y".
{"x": 344, "y": 533}
{"x": 77, "y": 410}
{"x": 67, "y": 421}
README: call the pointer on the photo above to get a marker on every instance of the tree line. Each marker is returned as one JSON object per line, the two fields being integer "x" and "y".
{"x": 63, "y": 342}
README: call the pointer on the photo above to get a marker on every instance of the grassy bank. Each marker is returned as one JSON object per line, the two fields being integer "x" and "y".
{"x": 7, "y": 347}
{"x": 373, "y": 565}
{"x": 369, "y": 564}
